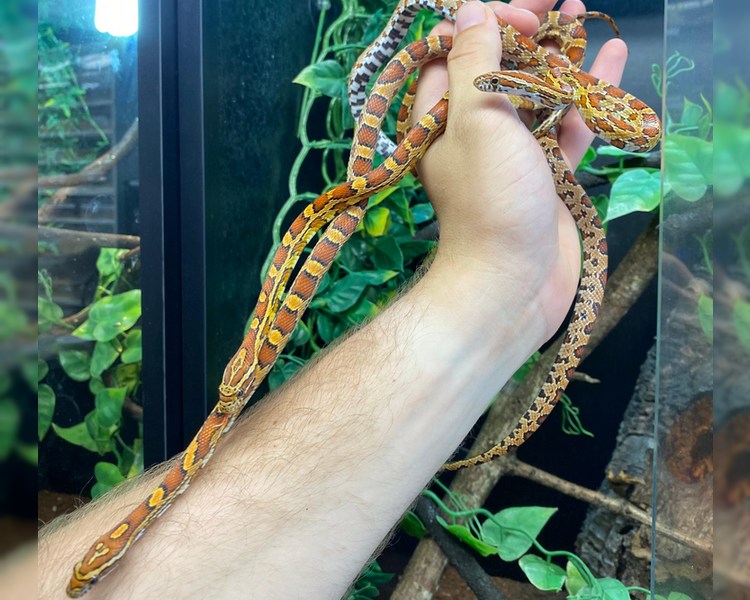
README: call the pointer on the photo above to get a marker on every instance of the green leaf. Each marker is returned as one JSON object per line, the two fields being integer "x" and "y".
{"x": 613, "y": 589}
{"x": 327, "y": 77}
{"x": 76, "y": 364}
{"x": 42, "y": 368}
{"x": 48, "y": 314}
{"x": 108, "y": 404}
{"x": 543, "y": 575}
{"x": 463, "y": 534}
{"x": 376, "y": 199}
{"x": 688, "y": 165}
{"x": 353, "y": 256}
{"x": 86, "y": 330}
{"x": 422, "y": 213}
{"x": 608, "y": 589}
{"x": 300, "y": 336}
{"x": 416, "y": 249}
{"x": 731, "y": 148}
{"x": 109, "y": 262}
{"x": 78, "y": 435}
{"x": 104, "y": 355}
{"x": 706, "y": 315}
{"x": 741, "y": 321}
{"x": 514, "y": 530}
{"x": 137, "y": 466}
{"x": 588, "y": 158}
{"x": 107, "y": 477}
{"x": 387, "y": 254}
{"x": 574, "y": 581}
{"x": 96, "y": 385}
{"x": 113, "y": 315}
{"x": 678, "y": 596}
{"x": 282, "y": 370}
{"x": 607, "y": 150}
{"x": 413, "y": 526}
{"x": 363, "y": 310}
{"x": 128, "y": 376}
{"x": 691, "y": 113}
{"x": 329, "y": 327}
{"x": 10, "y": 421}
{"x": 524, "y": 369}
{"x": 102, "y": 436}
{"x": 45, "y": 409}
{"x": 377, "y": 221}
{"x": 634, "y": 190}
{"x": 346, "y": 291}
{"x": 133, "y": 352}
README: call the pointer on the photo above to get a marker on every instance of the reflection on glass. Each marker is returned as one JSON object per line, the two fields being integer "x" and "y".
{"x": 732, "y": 305}
{"x": 89, "y": 302}
{"x": 684, "y": 467}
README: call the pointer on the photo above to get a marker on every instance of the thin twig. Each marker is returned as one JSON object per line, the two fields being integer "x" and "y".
{"x": 578, "y": 376}
{"x": 627, "y": 284}
{"x": 618, "y": 506}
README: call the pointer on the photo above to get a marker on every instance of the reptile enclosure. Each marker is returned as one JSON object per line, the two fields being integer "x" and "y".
{"x": 161, "y": 185}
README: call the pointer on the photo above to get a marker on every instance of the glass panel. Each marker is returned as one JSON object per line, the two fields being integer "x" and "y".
{"x": 18, "y": 364}
{"x": 684, "y": 485}
{"x": 89, "y": 301}
{"x": 732, "y": 303}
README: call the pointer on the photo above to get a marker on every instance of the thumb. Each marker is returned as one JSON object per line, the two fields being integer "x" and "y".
{"x": 477, "y": 49}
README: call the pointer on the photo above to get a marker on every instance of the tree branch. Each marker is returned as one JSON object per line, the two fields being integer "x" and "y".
{"x": 476, "y": 578}
{"x": 615, "y": 505}
{"x": 627, "y": 284}
{"x": 94, "y": 171}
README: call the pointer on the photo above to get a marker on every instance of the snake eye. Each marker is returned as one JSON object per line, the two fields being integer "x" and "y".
{"x": 494, "y": 81}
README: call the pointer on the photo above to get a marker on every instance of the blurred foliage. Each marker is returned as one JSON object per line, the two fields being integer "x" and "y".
{"x": 19, "y": 374}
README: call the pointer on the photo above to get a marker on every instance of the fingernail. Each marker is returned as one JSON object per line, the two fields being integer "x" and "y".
{"x": 469, "y": 15}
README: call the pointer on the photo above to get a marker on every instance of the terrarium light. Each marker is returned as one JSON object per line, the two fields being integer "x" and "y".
{"x": 116, "y": 17}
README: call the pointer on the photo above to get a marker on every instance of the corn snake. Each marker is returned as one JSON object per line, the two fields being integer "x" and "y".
{"x": 341, "y": 209}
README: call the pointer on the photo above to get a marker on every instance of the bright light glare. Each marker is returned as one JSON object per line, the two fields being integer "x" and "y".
{"x": 116, "y": 17}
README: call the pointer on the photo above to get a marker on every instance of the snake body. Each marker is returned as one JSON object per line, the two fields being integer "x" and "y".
{"x": 273, "y": 320}
{"x": 341, "y": 209}
{"x": 611, "y": 113}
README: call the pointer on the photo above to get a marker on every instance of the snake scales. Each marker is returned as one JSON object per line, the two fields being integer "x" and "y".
{"x": 537, "y": 79}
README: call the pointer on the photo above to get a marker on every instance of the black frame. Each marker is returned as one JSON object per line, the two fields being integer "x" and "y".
{"x": 172, "y": 208}
{"x": 195, "y": 58}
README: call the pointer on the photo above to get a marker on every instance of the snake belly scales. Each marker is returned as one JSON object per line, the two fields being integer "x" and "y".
{"x": 535, "y": 78}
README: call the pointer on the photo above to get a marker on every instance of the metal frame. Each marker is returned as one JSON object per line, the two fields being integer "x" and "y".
{"x": 172, "y": 224}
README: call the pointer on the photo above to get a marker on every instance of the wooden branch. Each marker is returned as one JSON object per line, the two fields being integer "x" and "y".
{"x": 94, "y": 171}
{"x": 467, "y": 566}
{"x": 615, "y": 505}
{"x": 627, "y": 284}
{"x": 73, "y": 242}
{"x": 579, "y": 376}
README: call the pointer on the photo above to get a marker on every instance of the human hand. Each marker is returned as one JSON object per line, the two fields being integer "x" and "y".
{"x": 487, "y": 177}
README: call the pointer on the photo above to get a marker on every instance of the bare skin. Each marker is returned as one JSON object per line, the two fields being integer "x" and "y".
{"x": 304, "y": 489}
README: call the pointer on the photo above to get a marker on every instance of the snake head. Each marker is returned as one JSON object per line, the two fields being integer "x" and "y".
{"x": 239, "y": 376}
{"x": 81, "y": 581}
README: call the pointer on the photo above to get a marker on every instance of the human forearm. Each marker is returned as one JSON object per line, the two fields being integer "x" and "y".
{"x": 346, "y": 445}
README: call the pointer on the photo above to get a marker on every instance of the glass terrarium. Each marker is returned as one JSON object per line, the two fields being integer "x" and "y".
{"x": 178, "y": 141}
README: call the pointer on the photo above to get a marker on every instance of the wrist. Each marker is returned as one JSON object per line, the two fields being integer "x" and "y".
{"x": 494, "y": 309}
